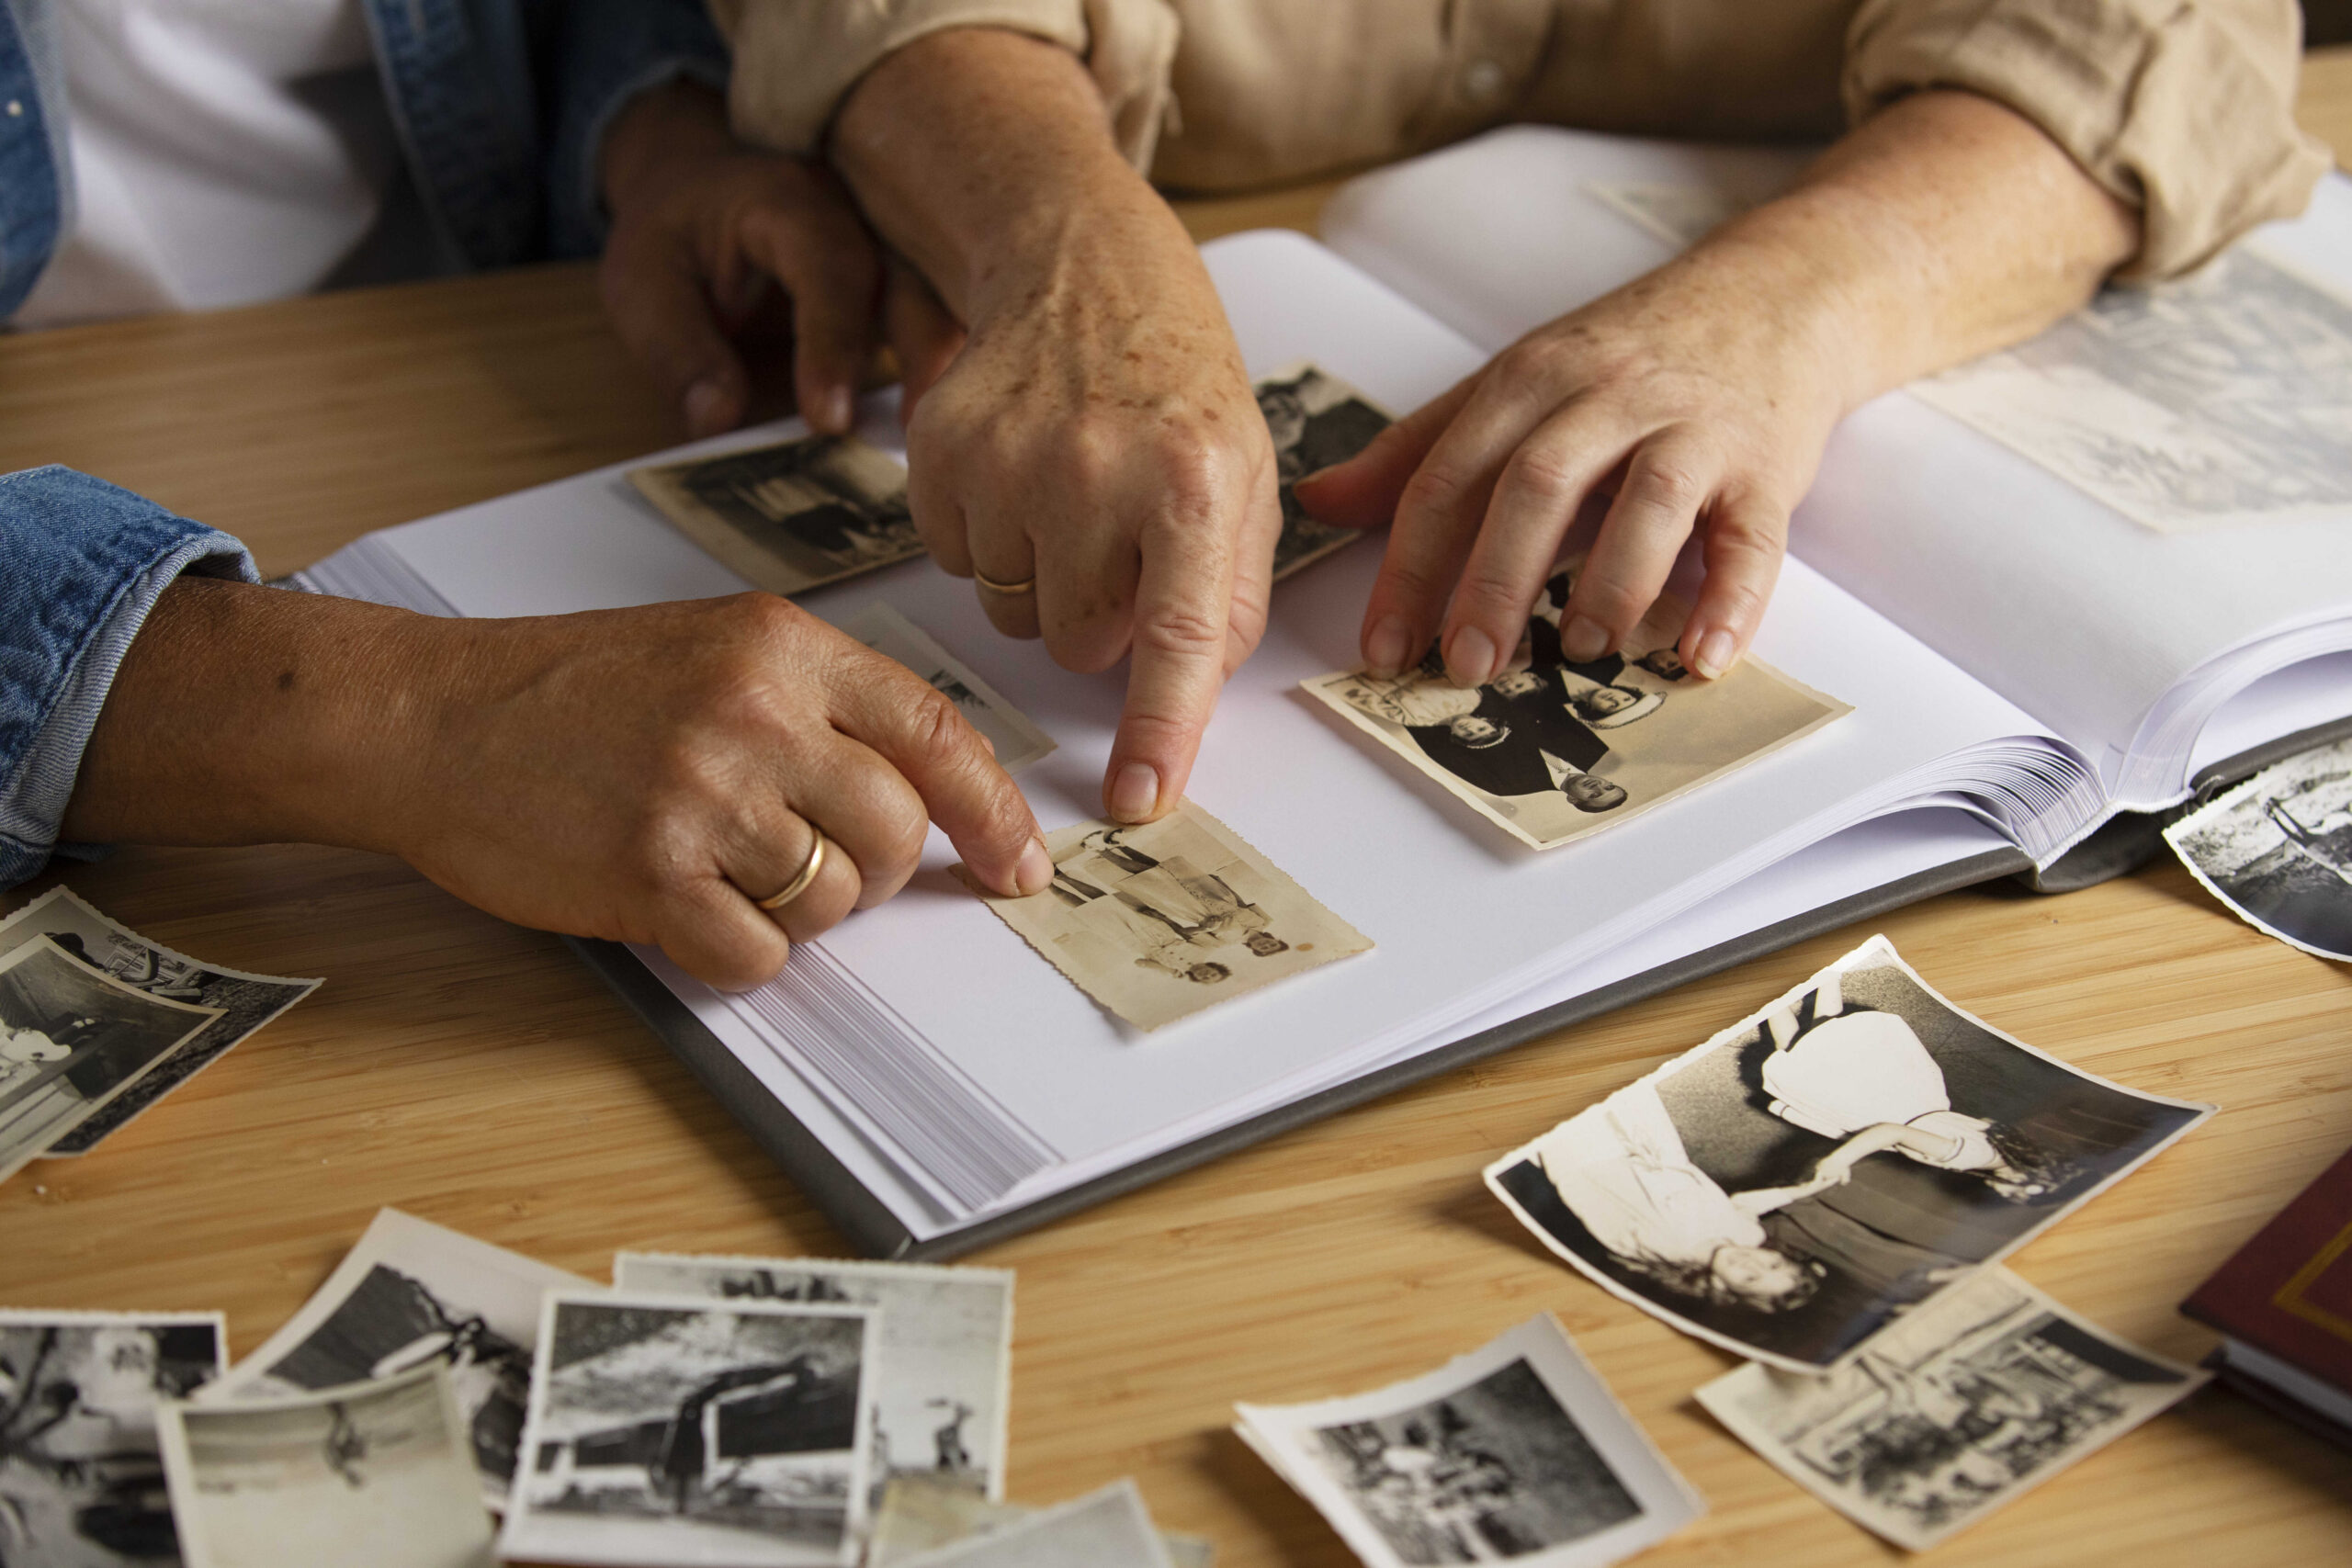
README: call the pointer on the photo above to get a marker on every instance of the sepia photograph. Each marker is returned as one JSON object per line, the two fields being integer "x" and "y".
{"x": 2217, "y": 400}
{"x": 1551, "y": 750}
{"x": 1516, "y": 1452}
{"x": 671, "y": 1429}
{"x": 2277, "y": 849}
{"x": 791, "y": 516}
{"x": 72, "y": 1038}
{"x": 412, "y": 1292}
{"x": 1018, "y": 742}
{"x": 1833, "y": 1159}
{"x": 1316, "y": 420}
{"x": 81, "y": 1468}
{"x": 1957, "y": 1408}
{"x": 246, "y": 1001}
{"x": 1159, "y": 920}
{"x": 944, "y": 1341}
{"x": 1109, "y": 1529}
{"x": 368, "y": 1475}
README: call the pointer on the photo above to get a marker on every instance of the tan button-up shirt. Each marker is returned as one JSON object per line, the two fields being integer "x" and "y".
{"x": 2184, "y": 109}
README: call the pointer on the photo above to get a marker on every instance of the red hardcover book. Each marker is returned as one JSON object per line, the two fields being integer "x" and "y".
{"x": 2288, "y": 1292}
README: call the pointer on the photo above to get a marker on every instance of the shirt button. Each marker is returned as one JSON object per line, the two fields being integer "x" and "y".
{"x": 15, "y": 108}
{"x": 1482, "y": 81}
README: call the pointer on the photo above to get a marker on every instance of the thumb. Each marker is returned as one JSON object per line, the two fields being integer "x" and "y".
{"x": 655, "y": 297}
{"x": 1362, "y": 491}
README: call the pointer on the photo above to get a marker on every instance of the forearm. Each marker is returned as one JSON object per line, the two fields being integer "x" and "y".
{"x": 1943, "y": 226}
{"x": 247, "y": 714}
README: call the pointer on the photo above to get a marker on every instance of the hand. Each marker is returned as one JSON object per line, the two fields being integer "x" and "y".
{"x": 1678, "y": 402}
{"x": 641, "y": 776}
{"x": 1097, "y": 431}
{"x": 702, "y": 226}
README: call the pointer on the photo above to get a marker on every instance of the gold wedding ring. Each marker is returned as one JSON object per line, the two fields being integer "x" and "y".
{"x": 799, "y": 884}
{"x": 1010, "y": 590}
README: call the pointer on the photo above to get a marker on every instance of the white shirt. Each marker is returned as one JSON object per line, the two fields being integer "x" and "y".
{"x": 224, "y": 153}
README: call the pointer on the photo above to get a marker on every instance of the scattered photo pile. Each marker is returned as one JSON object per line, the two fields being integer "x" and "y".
{"x": 919, "y": 1514}
{"x": 1515, "y": 1452}
{"x": 411, "y": 1294}
{"x": 2277, "y": 849}
{"x": 81, "y": 1466}
{"x": 1988, "y": 1390}
{"x": 1157, "y": 922}
{"x": 371, "y": 1475}
{"x": 1109, "y": 1529}
{"x": 1833, "y": 1159}
{"x": 1551, "y": 752}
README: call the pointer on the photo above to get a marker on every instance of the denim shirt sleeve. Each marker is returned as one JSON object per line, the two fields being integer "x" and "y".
{"x": 606, "y": 52}
{"x": 81, "y": 565}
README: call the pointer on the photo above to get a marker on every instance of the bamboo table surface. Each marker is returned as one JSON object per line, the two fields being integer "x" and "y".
{"x": 473, "y": 1073}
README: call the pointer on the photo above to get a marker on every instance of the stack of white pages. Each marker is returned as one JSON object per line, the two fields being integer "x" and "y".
{"x": 2023, "y": 663}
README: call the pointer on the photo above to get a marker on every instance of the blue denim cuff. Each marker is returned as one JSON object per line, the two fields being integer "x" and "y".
{"x": 81, "y": 563}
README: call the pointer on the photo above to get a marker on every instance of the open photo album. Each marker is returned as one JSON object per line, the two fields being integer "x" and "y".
{"x": 1984, "y": 664}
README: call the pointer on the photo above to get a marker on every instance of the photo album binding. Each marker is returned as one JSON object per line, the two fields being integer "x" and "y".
{"x": 1987, "y": 642}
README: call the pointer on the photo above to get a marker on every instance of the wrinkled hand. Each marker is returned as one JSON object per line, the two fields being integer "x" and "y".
{"x": 705, "y": 228}
{"x": 1098, "y": 432}
{"x": 1699, "y": 396}
{"x": 645, "y": 775}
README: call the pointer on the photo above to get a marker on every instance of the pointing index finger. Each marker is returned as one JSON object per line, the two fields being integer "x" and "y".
{"x": 1176, "y": 665}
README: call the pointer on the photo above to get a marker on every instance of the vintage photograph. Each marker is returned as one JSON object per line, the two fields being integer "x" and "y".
{"x": 1316, "y": 420}
{"x": 1109, "y": 1529}
{"x": 246, "y": 1001}
{"x": 792, "y": 516}
{"x": 72, "y": 1038}
{"x": 368, "y": 1475}
{"x": 670, "y": 1430}
{"x": 409, "y": 1294}
{"x": 2218, "y": 399}
{"x": 1954, "y": 1411}
{"x": 1550, "y": 752}
{"x": 81, "y": 1472}
{"x": 919, "y": 1514}
{"x": 2277, "y": 849}
{"x": 943, "y": 1389}
{"x": 1833, "y": 1159}
{"x": 1018, "y": 742}
{"x": 1516, "y": 1452}
{"x": 1158, "y": 921}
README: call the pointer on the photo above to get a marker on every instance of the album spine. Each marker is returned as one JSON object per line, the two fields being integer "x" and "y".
{"x": 2288, "y": 1291}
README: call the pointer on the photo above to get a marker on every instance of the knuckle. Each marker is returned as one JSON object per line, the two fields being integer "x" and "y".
{"x": 1612, "y": 601}
{"x": 1543, "y": 476}
{"x": 1434, "y": 490}
{"x": 1667, "y": 484}
{"x": 1181, "y": 632}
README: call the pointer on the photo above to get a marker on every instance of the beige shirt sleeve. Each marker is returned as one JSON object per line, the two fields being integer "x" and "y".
{"x": 796, "y": 59}
{"x": 2184, "y": 109}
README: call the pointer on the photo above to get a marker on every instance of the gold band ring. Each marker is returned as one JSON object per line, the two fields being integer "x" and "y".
{"x": 1010, "y": 590}
{"x": 799, "y": 884}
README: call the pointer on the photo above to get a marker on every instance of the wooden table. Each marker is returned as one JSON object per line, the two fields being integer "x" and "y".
{"x": 473, "y": 1073}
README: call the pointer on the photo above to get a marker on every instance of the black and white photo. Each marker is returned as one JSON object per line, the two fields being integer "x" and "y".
{"x": 1516, "y": 1452}
{"x": 1108, "y": 1529}
{"x": 1829, "y": 1161}
{"x": 943, "y": 1394}
{"x": 72, "y": 1039}
{"x": 2277, "y": 849}
{"x": 246, "y": 1001}
{"x": 1954, "y": 1411}
{"x": 81, "y": 1468}
{"x": 682, "y": 1431}
{"x": 1316, "y": 420}
{"x": 1018, "y": 742}
{"x": 1157, "y": 920}
{"x": 2216, "y": 399}
{"x": 368, "y": 1475}
{"x": 1551, "y": 750}
{"x": 413, "y": 1293}
{"x": 793, "y": 516}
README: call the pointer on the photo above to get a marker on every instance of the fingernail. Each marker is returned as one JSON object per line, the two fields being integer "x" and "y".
{"x": 1389, "y": 648}
{"x": 841, "y": 411}
{"x": 705, "y": 408}
{"x": 1134, "y": 793}
{"x": 1583, "y": 639}
{"x": 1717, "y": 649}
{"x": 1035, "y": 870}
{"x": 1316, "y": 478}
{"x": 1470, "y": 656}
